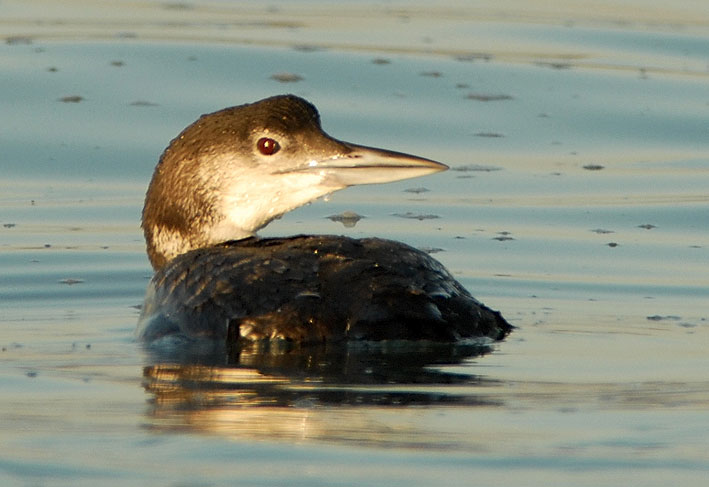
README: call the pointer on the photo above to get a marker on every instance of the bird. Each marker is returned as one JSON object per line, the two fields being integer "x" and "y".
{"x": 229, "y": 174}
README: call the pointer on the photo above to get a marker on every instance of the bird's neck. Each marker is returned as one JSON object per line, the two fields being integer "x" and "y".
{"x": 175, "y": 223}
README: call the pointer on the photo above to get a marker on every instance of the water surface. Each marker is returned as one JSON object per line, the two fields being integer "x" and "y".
{"x": 576, "y": 204}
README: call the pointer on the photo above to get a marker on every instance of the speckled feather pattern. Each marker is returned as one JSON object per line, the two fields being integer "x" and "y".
{"x": 313, "y": 289}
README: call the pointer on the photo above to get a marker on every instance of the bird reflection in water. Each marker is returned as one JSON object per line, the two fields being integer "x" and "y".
{"x": 332, "y": 392}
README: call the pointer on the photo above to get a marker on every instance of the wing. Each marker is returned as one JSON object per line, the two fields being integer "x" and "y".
{"x": 312, "y": 289}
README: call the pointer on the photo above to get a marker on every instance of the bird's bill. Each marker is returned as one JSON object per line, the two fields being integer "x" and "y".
{"x": 369, "y": 165}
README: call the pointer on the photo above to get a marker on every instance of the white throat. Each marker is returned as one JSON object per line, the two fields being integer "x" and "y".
{"x": 250, "y": 202}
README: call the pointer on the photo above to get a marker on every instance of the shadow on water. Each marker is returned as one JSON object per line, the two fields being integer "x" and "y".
{"x": 274, "y": 391}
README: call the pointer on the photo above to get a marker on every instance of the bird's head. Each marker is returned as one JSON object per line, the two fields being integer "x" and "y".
{"x": 231, "y": 172}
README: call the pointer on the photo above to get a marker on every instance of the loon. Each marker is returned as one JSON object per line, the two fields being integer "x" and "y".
{"x": 233, "y": 171}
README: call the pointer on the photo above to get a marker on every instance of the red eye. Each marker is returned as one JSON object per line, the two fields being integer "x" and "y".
{"x": 267, "y": 146}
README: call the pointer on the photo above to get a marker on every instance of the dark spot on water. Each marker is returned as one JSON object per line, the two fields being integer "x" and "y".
{"x": 177, "y": 6}
{"x": 71, "y": 99}
{"x": 118, "y": 64}
{"x": 126, "y": 35}
{"x": 461, "y": 86}
{"x": 70, "y": 281}
{"x": 491, "y": 135}
{"x": 307, "y": 48}
{"x": 416, "y": 216}
{"x": 47, "y": 246}
{"x": 602, "y": 231}
{"x": 143, "y": 103}
{"x": 612, "y": 244}
{"x": 592, "y": 167}
{"x": 470, "y": 57}
{"x": 8, "y": 225}
{"x": 664, "y": 318}
{"x": 418, "y": 190}
{"x": 88, "y": 346}
{"x": 554, "y": 65}
{"x": 18, "y": 40}
{"x": 476, "y": 168}
{"x": 348, "y": 218}
{"x": 503, "y": 236}
{"x": 431, "y": 74}
{"x": 31, "y": 374}
{"x": 647, "y": 226}
{"x": 286, "y": 77}
{"x": 52, "y": 69}
{"x": 487, "y": 97}
{"x": 380, "y": 61}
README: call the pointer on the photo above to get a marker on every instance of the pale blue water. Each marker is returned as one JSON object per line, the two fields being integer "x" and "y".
{"x": 576, "y": 204}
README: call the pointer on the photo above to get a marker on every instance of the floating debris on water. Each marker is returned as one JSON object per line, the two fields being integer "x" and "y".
{"x": 663, "y": 318}
{"x": 554, "y": 65}
{"x": 307, "y": 48}
{"x": 479, "y": 56}
{"x": 503, "y": 236}
{"x": 416, "y": 216}
{"x": 476, "y": 168}
{"x": 143, "y": 103}
{"x": 18, "y": 40}
{"x": 487, "y": 97}
{"x": 287, "y": 77}
{"x": 70, "y": 281}
{"x": 71, "y": 99}
{"x": 348, "y": 218}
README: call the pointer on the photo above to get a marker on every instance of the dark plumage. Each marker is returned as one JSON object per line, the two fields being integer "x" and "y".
{"x": 313, "y": 289}
{"x": 220, "y": 181}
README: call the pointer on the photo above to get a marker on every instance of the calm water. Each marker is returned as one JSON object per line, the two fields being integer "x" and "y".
{"x": 577, "y": 204}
